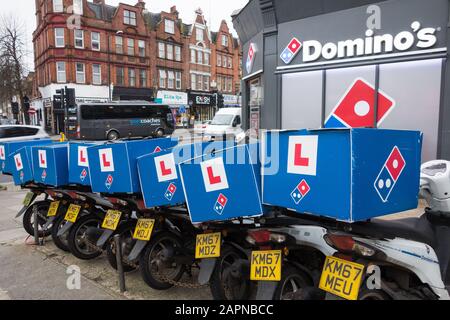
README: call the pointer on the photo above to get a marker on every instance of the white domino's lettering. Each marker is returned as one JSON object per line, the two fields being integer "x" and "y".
{"x": 214, "y": 175}
{"x": 42, "y": 159}
{"x": 302, "y": 155}
{"x": 82, "y": 157}
{"x": 106, "y": 160}
{"x": 166, "y": 168}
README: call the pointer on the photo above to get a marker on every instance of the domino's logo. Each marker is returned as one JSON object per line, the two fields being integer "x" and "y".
{"x": 220, "y": 204}
{"x": 109, "y": 181}
{"x": 170, "y": 192}
{"x": 250, "y": 57}
{"x": 44, "y": 175}
{"x": 390, "y": 174}
{"x": 292, "y": 49}
{"x": 83, "y": 175}
{"x": 300, "y": 191}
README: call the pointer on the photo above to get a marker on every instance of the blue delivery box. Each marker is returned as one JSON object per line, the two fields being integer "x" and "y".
{"x": 21, "y": 162}
{"x": 349, "y": 175}
{"x": 159, "y": 173}
{"x": 50, "y": 164}
{"x": 223, "y": 185}
{"x": 113, "y": 166}
{"x": 79, "y": 163}
{"x": 7, "y": 148}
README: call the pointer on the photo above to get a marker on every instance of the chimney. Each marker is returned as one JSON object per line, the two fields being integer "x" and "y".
{"x": 140, "y": 4}
{"x": 173, "y": 10}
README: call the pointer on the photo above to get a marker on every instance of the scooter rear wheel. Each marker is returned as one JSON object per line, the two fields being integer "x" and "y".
{"x": 28, "y": 219}
{"x": 158, "y": 269}
{"x": 292, "y": 282}
{"x": 79, "y": 243}
{"x": 127, "y": 242}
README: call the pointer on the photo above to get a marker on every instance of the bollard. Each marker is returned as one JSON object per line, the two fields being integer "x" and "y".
{"x": 119, "y": 263}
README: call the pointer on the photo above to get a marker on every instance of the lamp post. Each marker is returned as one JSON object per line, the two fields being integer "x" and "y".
{"x": 119, "y": 32}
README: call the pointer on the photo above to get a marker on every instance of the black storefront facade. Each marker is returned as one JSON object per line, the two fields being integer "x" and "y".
{"x": 202, "y": 105}
{"x": 348, "y": 63}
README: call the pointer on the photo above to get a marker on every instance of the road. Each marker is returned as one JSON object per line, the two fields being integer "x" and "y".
{"x": 40, "y": 272}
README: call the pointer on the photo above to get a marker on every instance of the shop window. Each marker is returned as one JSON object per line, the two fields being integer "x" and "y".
{"x": 96, "y": 74}
{"x": 119, "y": 45}
{"x": 95, "y": 41}
{"x": 169, "y": 26}
{"x": 302, "y": 100}
{"x": 58, "y": 6}
{"x": 120, "y": 75}
{"x": 59, "y": 38}
{"x": 129, "y": 17}
{"x": 80, "y": 73}
{"x": 61, "y": 72}
{"x": 79, "y": 39}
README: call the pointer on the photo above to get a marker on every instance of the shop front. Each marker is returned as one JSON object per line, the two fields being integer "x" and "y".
{"x": 178, "y": 104}
{"x": 203, "y": 106}
{"x": 338, "y": 64}
{"x": 230, "y": 100}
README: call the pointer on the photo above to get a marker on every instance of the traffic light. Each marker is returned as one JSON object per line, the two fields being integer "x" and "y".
{"x": 220, "y": 100}
{"x": 69, "y": 97}
{"x": 58, "y": 99}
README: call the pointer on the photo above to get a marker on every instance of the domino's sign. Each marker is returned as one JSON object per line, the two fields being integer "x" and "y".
{"x": 415, "y": 37}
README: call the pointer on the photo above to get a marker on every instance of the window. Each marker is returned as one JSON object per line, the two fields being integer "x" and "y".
{"x": 178, "y": 80}
{"x": 61, "y": 72}
{"x": 162, "y": 78}
{"x": 219, "y": 60}
{"x": 230, "y": 62}
{"x": 193, "y": 57}
{"x": 199, "y": 82}
{"x": 206, "y": 83}
{"x": 230, "y": 84}
{"x": 59, "y": 38}
{"x": 224, "y": 40}
{"x": 141, "y": 45}
{"x": 219, "y": 83}
{"x": 95, "y": 41}
{"x": 170, "y": 79}
{"x": 177, "y": 53}
{"x": 120, "y": 76}
{"x": 199, "y": 34}
{"x": 79, "y": 39}
{"x": 80, "y": 75}
{"x": 207, "y": 58}
{"x": 132, "y": 77}
{"x": 169, "y": 26}
{"x": 169, "y": 49}
{"x": 96, "y": 74}
{"x": 129, "y": 17}
{"x": 119, "y": 45}
{"x": 130, "y": 44}
{"x": 58, "y": 6}
{"x": 224, "y": 61}
{"x": 193, "y": 82}
{"x": 142, "y": 78}
{"x": 200, "y": 57}
{"x": 161, "y": 50}
{"x": 78, "y": 7}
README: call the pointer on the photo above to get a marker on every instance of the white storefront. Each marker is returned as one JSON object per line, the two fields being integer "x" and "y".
{"x": 178, "y": 103}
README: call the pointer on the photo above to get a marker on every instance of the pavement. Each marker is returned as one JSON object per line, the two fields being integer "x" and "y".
{"x": 30, "y": 272}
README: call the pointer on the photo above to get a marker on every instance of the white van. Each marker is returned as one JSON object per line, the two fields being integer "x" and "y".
{"x": 226, "y": 122}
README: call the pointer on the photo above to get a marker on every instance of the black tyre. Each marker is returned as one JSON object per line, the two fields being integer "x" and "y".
{"x": 113, "y": 135}
{"x": 230, "y": 279}
{"x": 60, "y": 241}
{"x": 126, "y": 230}
{"x": 79, "y": 244}
{"x": 28, "y": 219}
{"x": 156, "y": 262}
{"x": 293, "y": 281}
{"x": 367, "y": 294}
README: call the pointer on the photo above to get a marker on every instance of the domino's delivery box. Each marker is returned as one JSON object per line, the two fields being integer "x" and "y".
{"x": 159, "y": 173}
{"x": 346, "y": 174}
{"x": 223, "y": 185}
{"x": 79, "y": 163}
{"x": 7, "y": 148}
{"x": 113, "y": 166}
{"x": 51, "y": 165}
{"x": 21, "y": 164}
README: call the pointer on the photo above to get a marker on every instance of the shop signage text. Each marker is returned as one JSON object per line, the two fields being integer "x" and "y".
{"x": 419, "y": 37}
{"x": 205, "y": 100}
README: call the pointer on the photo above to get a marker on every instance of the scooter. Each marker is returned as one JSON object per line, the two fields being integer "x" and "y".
{"x": 412, "y": 254}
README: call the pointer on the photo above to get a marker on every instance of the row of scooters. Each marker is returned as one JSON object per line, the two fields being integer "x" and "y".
{"x": 280, "y": 255}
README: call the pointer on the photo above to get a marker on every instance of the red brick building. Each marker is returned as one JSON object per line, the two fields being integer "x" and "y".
{"x": 126, "y": 53}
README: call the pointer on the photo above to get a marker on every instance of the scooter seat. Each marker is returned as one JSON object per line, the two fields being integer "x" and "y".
{"x": 415, "y": 229}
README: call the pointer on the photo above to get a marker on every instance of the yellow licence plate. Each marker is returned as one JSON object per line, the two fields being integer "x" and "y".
{"x": 27, "y": 200}
{"x": 53, "y": 209}
{"x": 266, "y": 265}
{"x": 111, "y": 220}
{"x": 341, "y": 278}
{"x": 208, "y": 245}
{"x": 72, "y": 213}
{"x": 144, "y": 229}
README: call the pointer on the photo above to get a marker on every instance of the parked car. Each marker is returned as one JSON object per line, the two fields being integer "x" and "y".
{"x": 226, "y": 122}
{"x": 21, "y": 132}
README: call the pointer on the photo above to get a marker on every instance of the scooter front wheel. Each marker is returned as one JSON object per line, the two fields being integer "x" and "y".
{"x": 28, "y": 219}
{"x": 293, "y": 281}
{"x": 158, "y": 267}
{"x": 80, "y": 245}
{"x": 60, "y": 241}
{"x": 125, "y": 230}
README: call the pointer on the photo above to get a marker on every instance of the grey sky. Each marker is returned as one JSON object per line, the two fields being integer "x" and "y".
{"x": 213, "y": 10}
